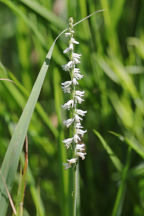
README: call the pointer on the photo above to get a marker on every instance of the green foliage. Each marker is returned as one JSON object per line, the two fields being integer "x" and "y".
{"x": 112, "y": 48}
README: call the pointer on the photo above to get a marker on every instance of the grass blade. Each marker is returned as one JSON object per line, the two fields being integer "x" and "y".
{"x": 115, "y": 160}
{"x": 20, "y": 99}
{"x": 18, "y": 12}
{"x": 63, "y": 175}
{"x": 132, "y": 142}
{"x": 9, "y": 196}
{"x": 42, "y": 11}
{"x": 11, "y": 159}
{"x": 117, "y": 210}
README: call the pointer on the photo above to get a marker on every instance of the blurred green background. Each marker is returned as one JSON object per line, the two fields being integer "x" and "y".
{"x": 112, "y": 48}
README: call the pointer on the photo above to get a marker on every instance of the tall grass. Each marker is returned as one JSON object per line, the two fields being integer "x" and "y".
{"x": 112, "y": 47}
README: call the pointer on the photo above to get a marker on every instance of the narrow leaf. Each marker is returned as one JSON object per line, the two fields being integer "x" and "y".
{"x": 115, "y": 160}
{"x": 11, "y": 159}
{"x": 132, "y": 142}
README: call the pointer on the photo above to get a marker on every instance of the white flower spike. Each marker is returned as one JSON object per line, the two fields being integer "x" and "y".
{"x": 76, "y": 97}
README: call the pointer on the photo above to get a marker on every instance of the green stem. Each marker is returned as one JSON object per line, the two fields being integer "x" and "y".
{"x": 76, "y": 211}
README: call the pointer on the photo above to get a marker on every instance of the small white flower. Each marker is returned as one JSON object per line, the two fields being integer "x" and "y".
{"x": 76, "y": 55}
{"x": 76, "y": 61}
{"x": 70, "y": 48}
{"x": 72, "y": 161}
{"x": 81, "y": 112}
{"x": 66, "y": 89}
{"x": 78, "y": 76}
{"x": 76, "y": 58}
{"x": 66, "y": 86}
{"x": 67, "y": 165}
{"x": 68, "y": 66}
{"x": 68, "y": 122}
{"x": 77, "y": 118}
{"x": 78, "y": 125}
{"x": 81, "y": 132}
{"x": 74, "y": 81}
{"x": 80, "y": 147}
{"x": 67, "y": 34}
{"x": 67, "y": 142}
{"x": 72, "y": 31}
{"x": 76, "y": 70}
{"x": 68, "y": 105}
{"x": 81, "y": 154}
{"x": 67, "y": 83}
{"x": 74, "y": 41}
{"x": 80, "y": 93}
{"x": 66, "y": 50}
{"x": 76, "y": 138}
{"x": 78, "y": 99}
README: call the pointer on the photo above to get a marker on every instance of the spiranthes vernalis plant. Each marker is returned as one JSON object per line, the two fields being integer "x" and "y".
{"x": 75, "y": 98}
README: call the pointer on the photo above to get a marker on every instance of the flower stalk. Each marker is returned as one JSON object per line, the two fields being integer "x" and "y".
{"x": 76, "y": 97}
{"x": 74, "y": 143}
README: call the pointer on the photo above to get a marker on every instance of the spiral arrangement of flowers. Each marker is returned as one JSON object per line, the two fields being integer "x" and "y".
{"x": 76, "y": 97}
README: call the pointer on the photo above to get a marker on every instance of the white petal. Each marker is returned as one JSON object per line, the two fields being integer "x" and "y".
{"x": 68, "y": 122}
{"x": 67, "y": 165}
{"x": 81, "y": 112}
{"x": 67, "y": 34}
{"x": 76, "y": 61}
{"x": 76, "y": 70}
{"x": 81, "y": 154}
{"x": 78, "y": 99}
{"x": 78, "y": 76}
{"x": 80, "y": 93}
{"x": 67, "y": 142}
{"x": 71, "y": 46}
{"x": 76, "y": 55}
{"x": 66, "y": 84}
{"x": 76, "y": 138}
{"x": 74, "y": 41}
{"x": 68, "y": 66}
{"x": 80, "y": 147}
{"x": 66, "y": 89}
{"x": 66, "y": 50}
{"x": 68, "y": 105}
{"x": 72, "y": 161}
{"x": 78, "y": 125}
{"x": 77, "y": 118}
{"x": 75, "y": 82}
{"x": 81, "y": 132}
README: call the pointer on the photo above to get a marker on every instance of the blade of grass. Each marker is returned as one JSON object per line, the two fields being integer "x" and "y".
{"x": 61, "y": 149}
{"x": 33, "y": 190}
{"x": 20, "y": 100}
{"x": 11, "y": 159}
{"x": 132, "y": 142}
{"x": 45, "y": 13}
{"x": 117, "y": 210}
{"x": 116, "y": 11}
{"x": 110, "y": 32}
{"x": 22, "y": 182}
{"x": 9, "y": 196}
{"x": 18, "y": 12}
{"x": 115, "y": 160}
{"x": 35, "y": 195}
